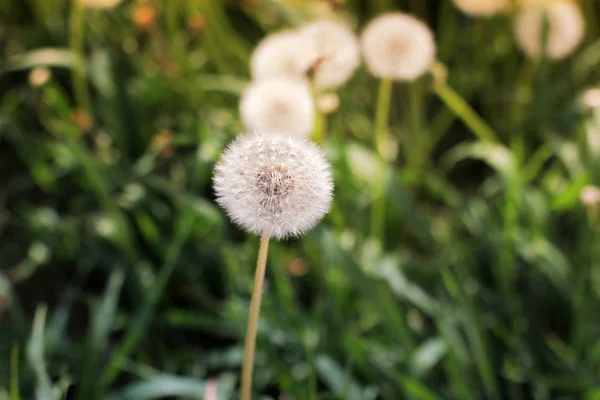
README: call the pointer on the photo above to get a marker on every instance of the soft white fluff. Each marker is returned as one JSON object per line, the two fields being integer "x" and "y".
{"x": 338, "y": 52}
{"x": 99, "y": 3}
{"x": 398, "y": 46}
{"x": 283, "y": 53}
{"x": 565, "y": 29}
{"x": 275, "y": 184}
{"x": 280, "y": 104}
{"x": 482, "y": 7}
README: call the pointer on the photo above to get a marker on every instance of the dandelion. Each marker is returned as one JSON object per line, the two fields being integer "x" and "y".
{"x": 280, "y": 104}
{"x": 285, "y": 54}
{"x": 395, "y": 46}
{"x": 590, "y": 99}
{"x": 328, "y": 103}
{"x": 39, "y": 76}
{"x": 337, "y": 50}
{"x": 590, "y": 196}
{"x": 99, "y": 4}
{"x": 398, "y": 46}
{"x": 565, "y": 29}
{"x": 274, "y": 185}
{"x": 482, "y": 8}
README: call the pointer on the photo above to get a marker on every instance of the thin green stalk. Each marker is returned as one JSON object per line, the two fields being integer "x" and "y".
{"x": 319, "y": 128}
{"x": 414, "y": 152}
{"x": 76, "y": 45}
{"x": 464, "y": 112}
{"x": 250, "y": 343}
{"x": 14, "y": 373}
{"x": 382, "y": 114}
{"x": 318, "y": 135}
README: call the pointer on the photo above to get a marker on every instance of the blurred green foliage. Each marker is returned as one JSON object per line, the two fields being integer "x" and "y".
{"x": 121, "y": 279}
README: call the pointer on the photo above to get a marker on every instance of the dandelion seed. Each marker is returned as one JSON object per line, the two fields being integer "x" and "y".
{"x": 565, "y": 29}
{"x": 278, "y": 185}
{"x": 337, "y": 49}
{"x": 398, "y": 46}
{"x": 283, "y": 54}
{"x": 99, "y": 4}
{"x": 280, "y": 104}
{"x": 482, "y": 8}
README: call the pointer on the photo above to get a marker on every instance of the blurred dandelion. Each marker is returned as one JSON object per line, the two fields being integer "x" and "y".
{"x": 590, "y": 99}
{"x": 482, "y": 8}
{"x": 285, "y": 53}
{"x": 565, "y": 29}
{"x": 590, "y": 196}
{"x": 280, "y": 104}
{"x": 274, "y": 185}
{"x": 398, "y": 46}
{"x": 337, "y": 49}
{"x": 99, "y": 4}
{"x": 39, "y": 76}
{"x": 328, "y": 103}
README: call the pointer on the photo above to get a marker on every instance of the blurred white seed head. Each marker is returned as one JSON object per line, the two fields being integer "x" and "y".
{"x": 99, "y": 4}
{"x": 279, "y": 104}
{"x": 338, "y": 52}
{"x": 590, "y": 196}
{"x": 482, "y": 8}
{"x": 285, "y": 54}
{"x": 565, "y": 29}
{"x": 590, "y": 99}
{"x": 398, "y": 46}
{"x": 274, "y": 184}
{"x": 328, "y": 103}
{"x": 39, "y": 76}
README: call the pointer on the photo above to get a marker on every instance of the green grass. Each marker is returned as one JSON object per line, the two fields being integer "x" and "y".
{"x": 120, "y": 278}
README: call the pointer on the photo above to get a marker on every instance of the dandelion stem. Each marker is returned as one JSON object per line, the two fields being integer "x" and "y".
{"x": 76, "y": 44}
{"x": 320, "y": 123}
{"x": 464, "y": 112}
{"x": 382, "y": 113}
{"x": 250, "y": 343}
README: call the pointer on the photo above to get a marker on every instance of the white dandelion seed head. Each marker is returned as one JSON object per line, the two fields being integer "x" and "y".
{"x": 482, "y": 8}
{"x": 565, "y": 29}
{"x": 398, "y": 46}
{"x": 283, "y": 53}
{"x": 328, "y": 103}
{"x": 338, "y": 52}
{"x": 274, "y": 184}
{"x": 39, "y": 76}
{"x": 590, "y": 196}
{"x": 279, "y": 104}
{"x": 99, "y": 4}
{"x": 590, "y": 99}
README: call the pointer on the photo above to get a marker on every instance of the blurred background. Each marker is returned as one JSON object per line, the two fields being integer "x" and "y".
{"x": 120, "y": 278}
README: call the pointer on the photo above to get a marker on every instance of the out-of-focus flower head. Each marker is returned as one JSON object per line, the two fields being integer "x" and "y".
{"x": 99, "y": 4}
{"x": 565, "y": 28}
{"x": 482, "y": 8}
{"x": 279, "y": 104}
{"x": 285, "y": 54}
{"x": 338, "y": 52}
{"x": 398, "y": 46}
